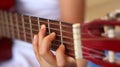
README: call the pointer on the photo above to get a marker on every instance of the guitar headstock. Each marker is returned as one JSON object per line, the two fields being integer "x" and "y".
{"x": 99, "y": 36}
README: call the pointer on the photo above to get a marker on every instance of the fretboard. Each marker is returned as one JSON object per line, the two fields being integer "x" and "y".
{"x": 23, "y": 27}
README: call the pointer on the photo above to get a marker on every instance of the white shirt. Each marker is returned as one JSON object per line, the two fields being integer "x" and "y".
{"x": 40, "y": 8}
{"x": 23, "y": 56}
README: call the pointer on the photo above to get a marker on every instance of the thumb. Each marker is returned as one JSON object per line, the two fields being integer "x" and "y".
{"x": 81, "y": 62}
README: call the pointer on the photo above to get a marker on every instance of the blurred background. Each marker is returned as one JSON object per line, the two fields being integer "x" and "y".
{"x": 99, "y": 8}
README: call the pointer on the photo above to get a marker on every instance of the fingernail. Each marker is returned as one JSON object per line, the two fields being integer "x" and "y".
{"x": 62, "y": 47}
{"x": 42, "y": 26}
{"x": 34, "y": 37}
{"x": 53, "y": 34}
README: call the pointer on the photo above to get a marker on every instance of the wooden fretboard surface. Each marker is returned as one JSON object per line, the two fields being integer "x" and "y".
{"x": 22, "y": 27}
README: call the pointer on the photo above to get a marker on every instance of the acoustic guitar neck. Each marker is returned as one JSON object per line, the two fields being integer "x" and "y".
{"x": 23, "y": 27}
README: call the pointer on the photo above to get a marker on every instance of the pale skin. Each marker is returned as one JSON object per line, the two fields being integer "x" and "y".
{"x": 71, "y": 11}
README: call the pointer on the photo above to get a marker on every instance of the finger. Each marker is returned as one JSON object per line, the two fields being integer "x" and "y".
{"x": 35, "y": 46}
{"x": 60, "y": 56}
{"x": 42, "y": 33}
{"x": 46, "y": 42}
{"x": 44, "y": 48}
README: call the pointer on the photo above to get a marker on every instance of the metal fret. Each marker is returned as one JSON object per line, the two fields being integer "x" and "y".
{"x": 12, "y": 25}
{"x": 48, "y": 21}
{"x": 38, "y": 23}
{"x": 6, "y": 25}
{"x": 31, "y": 33}
{"x": 0, "y": 23}
{"x": 3, "y": 27}
{"x": 17, "y": 25}
{"x": 23, "y": 24}
{"x": 61, "y": 32}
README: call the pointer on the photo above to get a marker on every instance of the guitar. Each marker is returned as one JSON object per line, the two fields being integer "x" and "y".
{"x": 80, "y": 40}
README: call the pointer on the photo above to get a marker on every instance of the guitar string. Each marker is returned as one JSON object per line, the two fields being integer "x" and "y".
{"x": 66, "y": 30}
{"x": 91, "y": 49}
{"x": 63, "y": 30}
{"x": 93, "y": 55}
{"x": 37, "y": 20}
{"x": 98, "y": 38}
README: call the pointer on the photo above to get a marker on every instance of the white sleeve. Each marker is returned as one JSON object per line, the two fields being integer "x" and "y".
{"x": 23, "y": 56}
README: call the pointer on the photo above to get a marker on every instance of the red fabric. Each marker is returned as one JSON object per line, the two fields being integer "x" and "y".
{"x": 6, "y": 4}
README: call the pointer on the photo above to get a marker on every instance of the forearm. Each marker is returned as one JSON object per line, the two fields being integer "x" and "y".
{"x": 72, "y": 10}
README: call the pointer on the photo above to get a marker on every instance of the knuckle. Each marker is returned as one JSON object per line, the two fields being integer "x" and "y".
{"x": 46, "y": 41}
{"x": 43, "y": 46}
{"x": 42, "y": 53}
{"x": 47, "y": 38}
{"x": 42, "y": 49}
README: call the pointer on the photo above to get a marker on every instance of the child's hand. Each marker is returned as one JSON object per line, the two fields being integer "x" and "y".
{"x": 46, "y": 58}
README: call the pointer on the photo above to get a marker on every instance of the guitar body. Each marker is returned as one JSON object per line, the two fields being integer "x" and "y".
{"x": 5, "y": 49}
{"x": 6, "y": 43}
{"x": 6, "y": 4}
